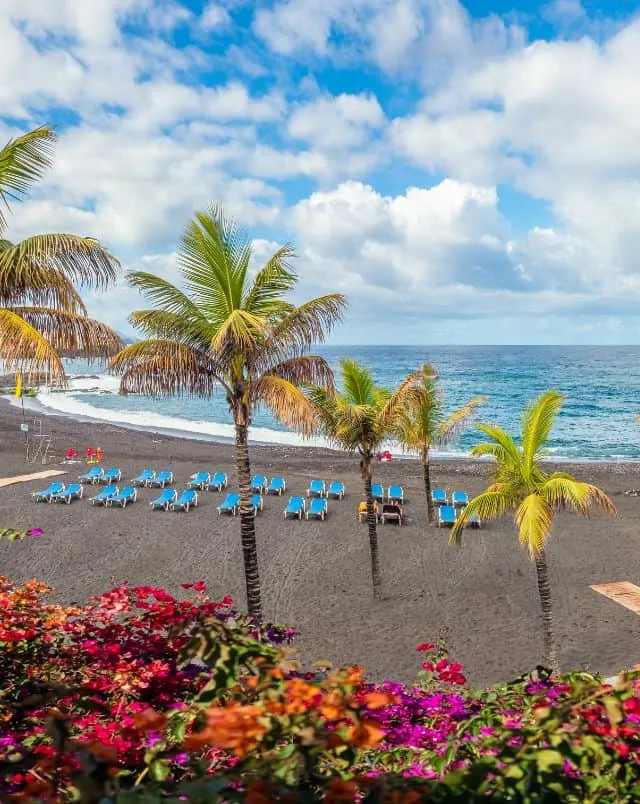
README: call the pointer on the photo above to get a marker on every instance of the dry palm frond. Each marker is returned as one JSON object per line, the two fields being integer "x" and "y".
{"x": 23, "y": 162}
{"x": 305, "y": 371}
{"x": 72, "y": 335}
{"x": 82, "y": 260}
{"x": 457, "y": 421}
{"x": 159, "y": 367}
{"x": 23, "y": 348}
{"x": 46, "y": 287}
{"x": 287, "y": 402}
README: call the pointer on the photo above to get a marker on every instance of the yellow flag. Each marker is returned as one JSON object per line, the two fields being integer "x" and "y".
{"x": 18, "y": 386}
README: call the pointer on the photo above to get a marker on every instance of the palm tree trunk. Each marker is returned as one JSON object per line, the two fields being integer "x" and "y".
{"x": 247, "y": 523}
{"x": 372, "y": 523}
{"x": 544, "y": 590}
{"x": 427, "y": 484}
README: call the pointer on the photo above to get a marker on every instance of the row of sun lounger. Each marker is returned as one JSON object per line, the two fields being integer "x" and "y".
{"x": 458, "y": 498}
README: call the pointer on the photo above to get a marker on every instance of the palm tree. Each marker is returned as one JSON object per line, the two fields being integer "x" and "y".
{"x": 233, "y": 330}
{"x": 421, "y": 423}
{"x": 358, "y": 419}
{"x": 520, "y": 485}
{"x": 42, "y": 316}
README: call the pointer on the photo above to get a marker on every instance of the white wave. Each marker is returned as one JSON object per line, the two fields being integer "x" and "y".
{"x": 72, "y": 405}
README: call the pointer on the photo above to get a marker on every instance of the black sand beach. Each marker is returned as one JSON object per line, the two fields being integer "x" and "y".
{"x": 316, "y": 575}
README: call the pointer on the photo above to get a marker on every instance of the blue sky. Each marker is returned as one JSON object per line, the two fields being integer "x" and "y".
{"x": 464, "y": 172}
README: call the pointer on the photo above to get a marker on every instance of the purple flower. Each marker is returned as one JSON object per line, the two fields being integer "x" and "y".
{"x": 35, "y": 532}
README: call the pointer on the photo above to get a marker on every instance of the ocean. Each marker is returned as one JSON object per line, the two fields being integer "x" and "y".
{"x": 601, "y": 383}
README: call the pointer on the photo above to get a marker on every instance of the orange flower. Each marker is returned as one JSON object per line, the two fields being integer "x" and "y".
{"x": 197, "y": 740}
{"x": 149, "y": 720}
{"x": 237, "y": 728}
{"x": 252, "y": 682}
{"x": 367, "y": 734}
{"x": 376, "y": 700}
{"x": 354, "y": 674}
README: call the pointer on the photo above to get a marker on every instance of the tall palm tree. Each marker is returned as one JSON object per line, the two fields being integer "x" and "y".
{"x": 230, "y": 329}
{"x": 522, "y": 486}
{"x": 42, "y": 317}
{"x": 422, "y": 424}
{"x": 358, "y": 419}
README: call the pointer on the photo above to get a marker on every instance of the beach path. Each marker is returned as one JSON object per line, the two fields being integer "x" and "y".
{"x": 625, "y": 593}
{"x": 9, "y": 481}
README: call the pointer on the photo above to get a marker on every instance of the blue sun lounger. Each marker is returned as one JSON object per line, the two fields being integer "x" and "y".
{"x": 218, "y": 482}
{"x": 295, "y": 508}
{"x": 317, "y": 488}
{"x": 110, "y": 476}
{"x": 377, "y": 491}
{"x": 73, "y": 491}
{"x": 277, "y": 486}
{"x": 199, "y": 480}
{"x": 92, "y": 476}
{"x": 459, "y": 498}
{"x": 144, "y": 478}
{"x": 188, "y": 499}
{"x": 446, "y": 515}
{"x": 317, "y": 509}
{"x": 162, "y": 479}
{"x": 257, "y": 500}
{"x": 128, "y": 494}
{"x": 229, "y": 505}
{"x": 163, "y": 502}
{"x": 395, "y": 494}
{"x": 336, "y": 489}
{"x": 103, "y": 496}
{"x": 259, "y": 484}
{"x": 439, "y": 497}
{"x": 48, "y": 494}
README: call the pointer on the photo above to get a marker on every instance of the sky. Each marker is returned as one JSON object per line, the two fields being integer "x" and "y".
{"x": 463, "y": 173}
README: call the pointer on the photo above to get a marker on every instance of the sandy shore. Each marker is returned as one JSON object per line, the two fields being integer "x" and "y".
{"x": 316, "y": 576}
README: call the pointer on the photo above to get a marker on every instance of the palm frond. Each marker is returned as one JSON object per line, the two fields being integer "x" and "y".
{"x": 491, "y": 504}
{"x": 303, "y": 327}
{"x": 163, "y": 294}
{"x": 47, "y": 287}
{"x": 23, "y": 348}
{"x": 508, "y": 448}
{"x": 357, "y": 382}
{"x": 214, "y": 256}
{"x": 286, "y": 401}
{"x": 273, "y": 280}
{"x": 72, "y": 335}
{"x": 157, "y": 367}
{"x": 174, "y": 326}
{"x": 534, "y": 519}
{"x": 23, "y": 162}
{"x": 537, "y": 421}
{"x": 561, "y": 490}
{"x": 240, "y": 333}
{"x": 81, "y": 260}
{"x": 305, "y": 371}
{"x": 457, "y": 421}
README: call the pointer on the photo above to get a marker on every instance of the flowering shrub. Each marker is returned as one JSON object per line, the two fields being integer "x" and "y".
{"x": 12, "y": 535}
{"x": 141, "y": 697}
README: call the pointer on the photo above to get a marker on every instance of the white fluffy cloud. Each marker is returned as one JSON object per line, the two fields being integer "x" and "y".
{"x": 393, "y": 197}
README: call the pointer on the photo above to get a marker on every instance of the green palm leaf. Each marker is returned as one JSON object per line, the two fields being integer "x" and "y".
{"x": 23, "y": 162}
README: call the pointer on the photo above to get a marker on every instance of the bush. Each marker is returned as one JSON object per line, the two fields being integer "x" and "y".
{"x": 141, "y": 697}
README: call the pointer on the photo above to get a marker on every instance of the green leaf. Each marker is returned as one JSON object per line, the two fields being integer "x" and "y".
{"x": 547, "y": 759}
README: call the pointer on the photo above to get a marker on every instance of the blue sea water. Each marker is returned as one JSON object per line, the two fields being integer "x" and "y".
{"x": 601, "y": 384}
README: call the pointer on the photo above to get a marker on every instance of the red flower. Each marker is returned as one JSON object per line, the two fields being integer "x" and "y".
{"x": 424, "y": 646}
